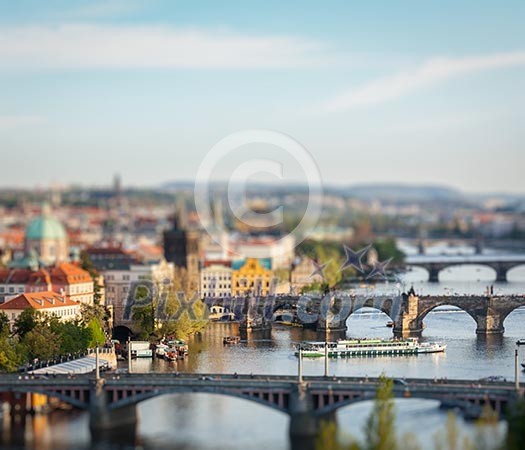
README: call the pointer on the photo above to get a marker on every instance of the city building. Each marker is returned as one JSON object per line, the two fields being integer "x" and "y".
{"x": 279, "y": 250}
{"x": 74, "y": 282}
{"x": 120, "y": 269}
{"x": 304, "y": 273}
{"x": 46, "y": 236}
{"x": 65, "y": 279}
{"x": 252, "y": 277}
{"x": 46, "y": 302}
{"x": 182, "y": 247}
{"x": 216, "y": 279}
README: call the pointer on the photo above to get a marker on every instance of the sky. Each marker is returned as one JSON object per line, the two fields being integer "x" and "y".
{"x": 376, "y": 91}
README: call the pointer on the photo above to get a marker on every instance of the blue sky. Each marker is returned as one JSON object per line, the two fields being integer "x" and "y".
{"x": 377, "y": 91}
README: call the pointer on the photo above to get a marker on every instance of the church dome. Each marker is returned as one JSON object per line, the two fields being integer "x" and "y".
{"x": 45, "y": 227}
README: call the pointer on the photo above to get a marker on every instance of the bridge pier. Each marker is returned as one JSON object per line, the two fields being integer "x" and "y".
{"x": 501, "y": 274}
{"x": 305, "y": 425}
{"x": 305, "y": 429}
{"x": 433, "y": 274}
{"x": 107, "y": 424}
{"x": 333, "y": 314}
{"x": 409, "y": 323}
{"x": 490, "y": 324}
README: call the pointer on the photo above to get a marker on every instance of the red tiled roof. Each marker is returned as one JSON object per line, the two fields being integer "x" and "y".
{"x": 40, "y": 276}
{"x": 14, "y": 276}
{"x": 219, "y": 262}
{"x": 38, "y": 300}
{"x": 69, "y": 273}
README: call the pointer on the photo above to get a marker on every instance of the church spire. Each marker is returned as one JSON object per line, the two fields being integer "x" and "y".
{"x": 180, "y": 220}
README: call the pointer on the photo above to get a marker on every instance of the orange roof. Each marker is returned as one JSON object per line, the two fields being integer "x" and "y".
{"x": 38, "y": 300}
{"x": 13, "y": 236}
{"x": 69, "y": 273}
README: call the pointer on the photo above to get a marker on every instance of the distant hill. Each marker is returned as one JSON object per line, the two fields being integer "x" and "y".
{"x": 400, "y": 192}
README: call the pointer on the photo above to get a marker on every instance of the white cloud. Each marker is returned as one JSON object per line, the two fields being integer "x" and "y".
{"x": 432, "y": 71}
{"x": 11, "y": 122}
{"x": 74, "y": 46}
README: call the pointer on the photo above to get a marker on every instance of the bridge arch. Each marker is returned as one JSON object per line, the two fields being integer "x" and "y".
{"x": 371, "y": 396}
{"x": 505, "y": 314}
{"x": 423, "y": 313}
{"x": 69, "y": 399}
{"x": 122, "y": 333}
{"x": 363, "y": 309}
{"x": 274, "y": 400}
{"x": 517, "y": 271}
{"x": 385, "y": 305}
{"x": 478, "y": 267}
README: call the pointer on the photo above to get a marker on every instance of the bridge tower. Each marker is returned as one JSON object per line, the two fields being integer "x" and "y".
{"x": 408, "y": 323}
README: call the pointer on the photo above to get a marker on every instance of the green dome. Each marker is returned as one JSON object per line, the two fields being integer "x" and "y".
{"x": 45, "y": 227}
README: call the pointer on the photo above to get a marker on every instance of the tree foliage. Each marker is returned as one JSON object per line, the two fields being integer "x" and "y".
{"x": 4, "y": 325}
{"x": 26, "y": 322}
{"x": 172, "y": 314}
{"x": 387, "y": 249}
{"x": 516, "y": 430}
{"x": 380, "y": 427}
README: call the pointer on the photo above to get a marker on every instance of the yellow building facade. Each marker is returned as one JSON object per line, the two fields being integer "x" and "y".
{"x": 252, "y": 278}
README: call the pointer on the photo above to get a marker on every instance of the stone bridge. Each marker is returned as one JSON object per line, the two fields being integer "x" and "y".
{"x": 501, "y": 264}
{"x": 111, "y": 400}
{"x": 329, "y": 313}
{"x": 489, "y": 312}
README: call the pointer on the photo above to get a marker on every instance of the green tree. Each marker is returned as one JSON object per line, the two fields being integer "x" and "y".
{"x": 11, "y": 354}
{"x": 330, "y": 253}
{"x": 516, "y": 426}
{"x": 97, "y": 312}
{"x": 74, "y": 337}
{"x": 41, "y": 343}
{"x": 380, "y": 427}
{"x": 387, "y": 248}
{"x": 4, "y": 324}
{"x": 97, "y": 333}
{"x": 26, "y": 322}
{"x": 144, "y": 319}
{"x": 316, "y": 286}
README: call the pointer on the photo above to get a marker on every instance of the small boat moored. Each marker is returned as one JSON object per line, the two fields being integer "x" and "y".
{"x": 231, "y": 340}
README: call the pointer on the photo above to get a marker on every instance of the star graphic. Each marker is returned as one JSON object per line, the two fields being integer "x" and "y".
{"x": 319, "y": 269}
{"x": 379, "y": 269}
{"x": 354, "y": 259}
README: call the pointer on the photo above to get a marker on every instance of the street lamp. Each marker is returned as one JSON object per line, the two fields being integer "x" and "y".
{"x": 519, "y": 343}
{"x": 129, "y": 354}
{"x": 97, "y": 368}
{"x": 300, "y": 349}
{"x": 326, "y": 357}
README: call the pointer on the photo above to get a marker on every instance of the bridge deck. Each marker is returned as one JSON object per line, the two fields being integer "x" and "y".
{"x": 14, "y": 382}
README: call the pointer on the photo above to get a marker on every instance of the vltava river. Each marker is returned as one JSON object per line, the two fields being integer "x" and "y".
{"x": 202, "y": 421}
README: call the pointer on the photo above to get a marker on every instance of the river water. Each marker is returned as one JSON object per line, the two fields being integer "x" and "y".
{"x": 205, "y": 421}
